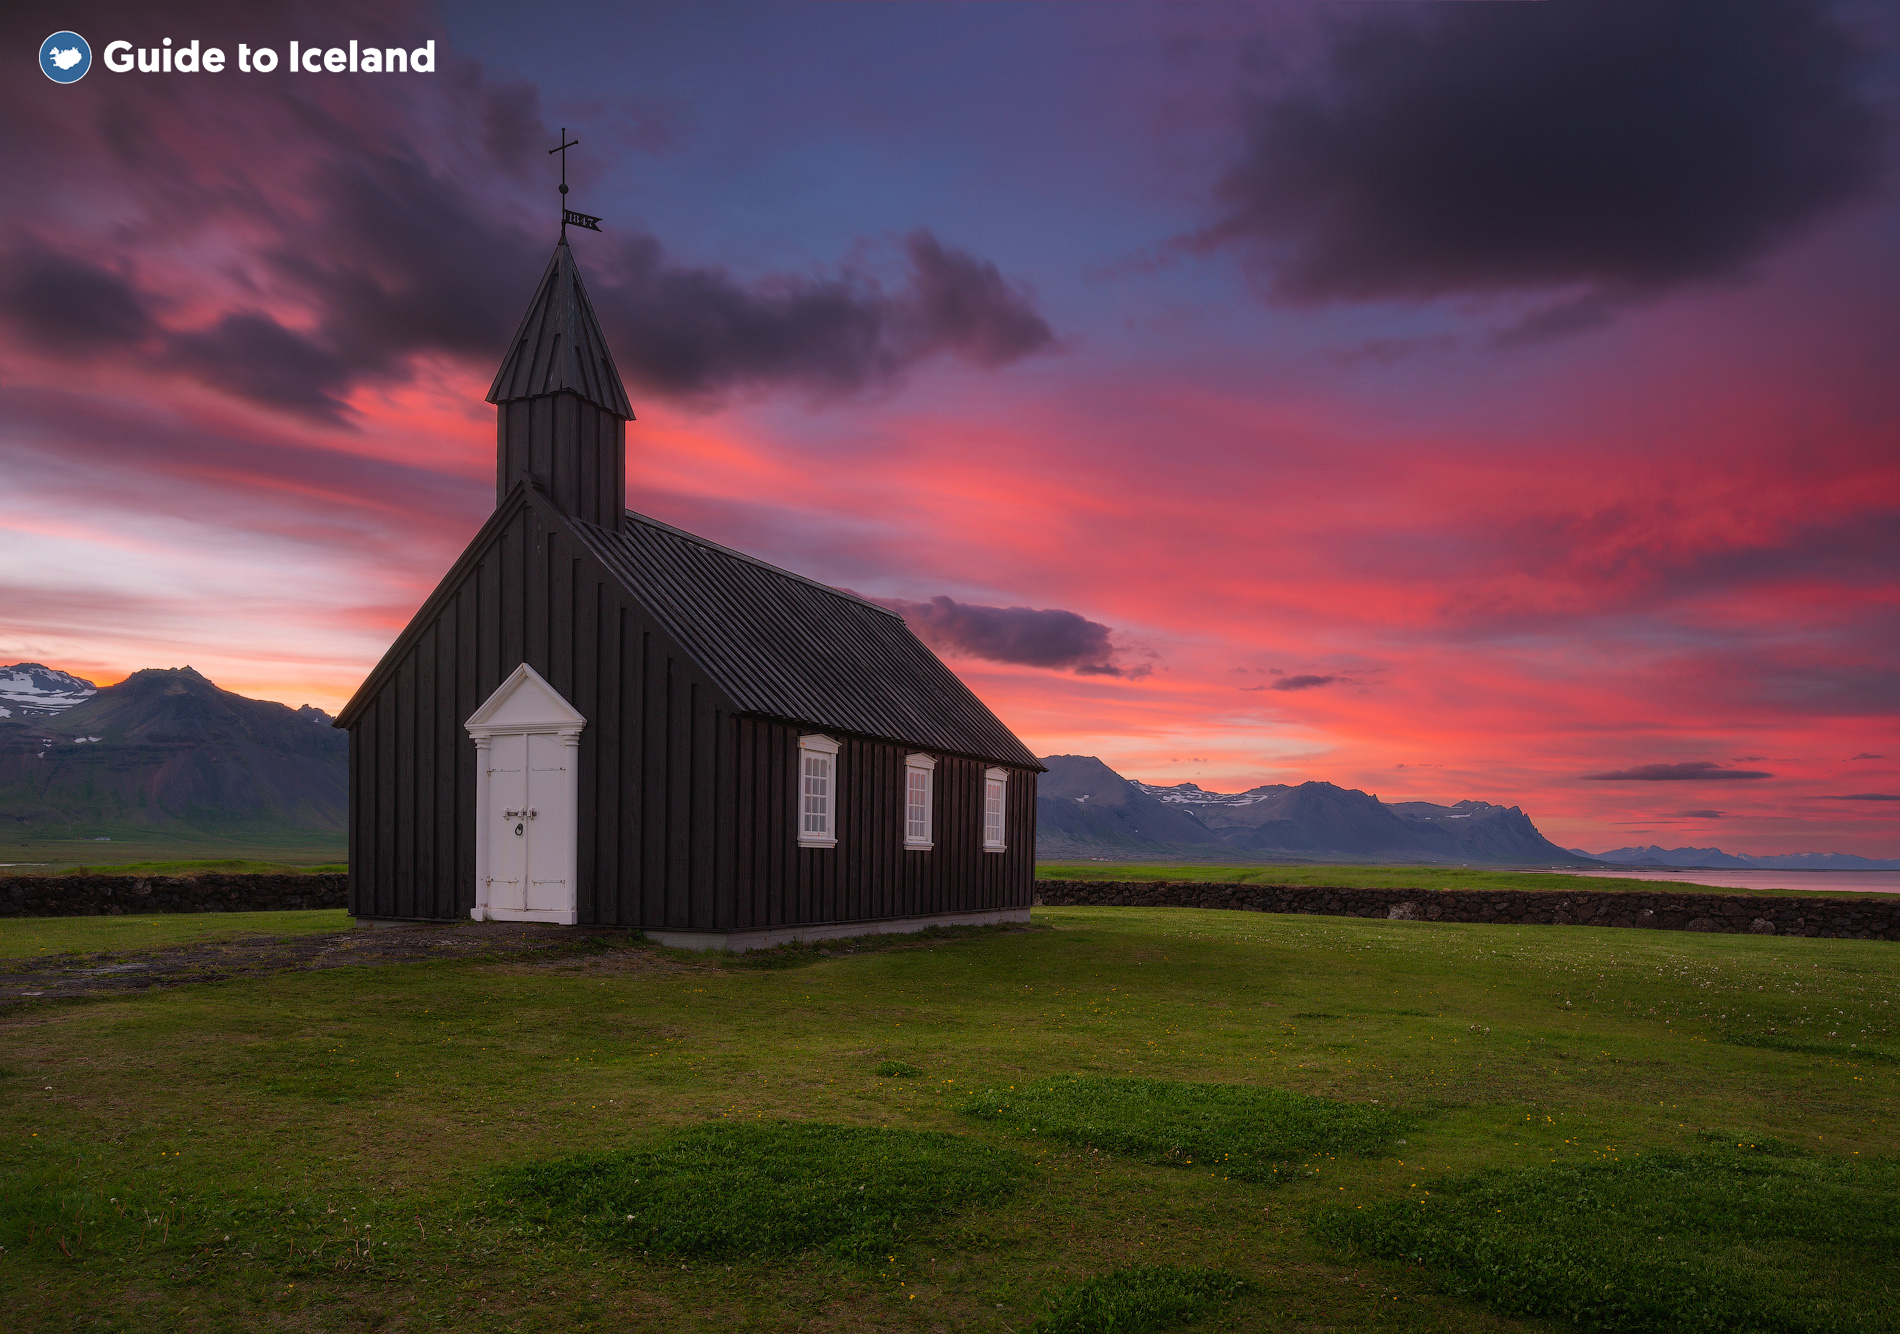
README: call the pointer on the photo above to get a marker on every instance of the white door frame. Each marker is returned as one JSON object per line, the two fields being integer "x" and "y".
{"x": 526, "y": 704}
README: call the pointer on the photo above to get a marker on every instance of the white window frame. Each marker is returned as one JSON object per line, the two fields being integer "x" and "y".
{"x": 822, "y": 833}
{"x": 996, "y": 781}
{"x": 916, "y": 767}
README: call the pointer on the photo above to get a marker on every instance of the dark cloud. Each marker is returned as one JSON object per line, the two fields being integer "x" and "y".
{"x": 1048, "y": 637}
{"x": 1703, "y": 771}
{"x": 1867, "y": 755}
{"x": 253, "y": 356}
{"x": 959, "y": 303}
{"x": 1699, "y": 815}
{"x": 1618, "y": 146}
{"x": 1298, "y": 683}
{"x": 1863, "y": 796}
{"x": 694, "y": 331}
{"x": 399, "y": 228}
{"x": 64, "y": 304}
{"x": 1302, "y": 682}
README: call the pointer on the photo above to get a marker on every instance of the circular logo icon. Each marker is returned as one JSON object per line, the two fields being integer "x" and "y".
{"x": 65, "y": 57}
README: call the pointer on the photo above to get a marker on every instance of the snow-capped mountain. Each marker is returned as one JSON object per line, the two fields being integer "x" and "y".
{"x": 1084, "y": 808}
{"x": 29, "y": 690}
{"x": 166, "y": 750}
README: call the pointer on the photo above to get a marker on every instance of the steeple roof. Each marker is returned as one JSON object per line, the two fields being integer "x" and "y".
{"x": 559, "y": 346}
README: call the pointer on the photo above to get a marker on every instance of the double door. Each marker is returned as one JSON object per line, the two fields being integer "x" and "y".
{"x": 530, "y": 828}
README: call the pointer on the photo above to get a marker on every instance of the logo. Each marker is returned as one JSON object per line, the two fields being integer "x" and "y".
{"x": 65, "y": 57}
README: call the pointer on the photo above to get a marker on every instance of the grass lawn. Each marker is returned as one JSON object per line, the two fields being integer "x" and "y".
{"x": 127, "y": 846}
{"x": 1393, "y": 877}
{"x": 26, "y": 937}
{"x": 635, "y": 1140}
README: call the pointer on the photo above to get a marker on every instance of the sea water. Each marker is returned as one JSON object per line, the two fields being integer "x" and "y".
{"x": 1820, "y": 882}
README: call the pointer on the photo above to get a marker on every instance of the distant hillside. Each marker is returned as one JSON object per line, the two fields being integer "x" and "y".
{"x": 1085, "y": 809}
{"x": 1716, "y": 859}
{"x": 166, "y": 750}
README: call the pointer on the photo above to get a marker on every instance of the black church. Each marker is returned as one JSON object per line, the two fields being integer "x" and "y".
{"x": 599, "y": 718}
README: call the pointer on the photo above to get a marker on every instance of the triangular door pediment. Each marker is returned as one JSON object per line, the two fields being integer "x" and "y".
{"x": 525, "y": 702}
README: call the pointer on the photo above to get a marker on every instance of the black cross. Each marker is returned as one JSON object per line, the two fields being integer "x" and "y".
{"x": 568, "y": 215}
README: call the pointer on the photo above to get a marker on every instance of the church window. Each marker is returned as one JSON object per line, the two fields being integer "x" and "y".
{"x": 995, "y": 789}
{"x": 817, "y": 792}
{"x": 919, "y": 779}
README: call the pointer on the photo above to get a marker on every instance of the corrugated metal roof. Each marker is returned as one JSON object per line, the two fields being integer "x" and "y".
{"x": 559, "y": 345}
{"x": 785, "y": 646}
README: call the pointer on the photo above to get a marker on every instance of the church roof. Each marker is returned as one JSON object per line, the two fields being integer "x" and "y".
{"x": 787, "y": 647}
{"x": 559, "y": 346}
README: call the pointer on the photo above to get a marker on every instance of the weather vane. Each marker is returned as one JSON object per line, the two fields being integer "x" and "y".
{"x": 587, "y": 220}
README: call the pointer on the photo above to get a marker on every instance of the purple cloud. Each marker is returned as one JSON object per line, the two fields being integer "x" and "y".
{"x": 1049, "y": 637}
{"x": 1616, "y": 146}
{"x": 1700, "y": 771}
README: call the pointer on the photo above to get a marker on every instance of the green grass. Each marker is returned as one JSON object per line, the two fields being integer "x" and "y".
{"x": 1233, "y": 1131}
{"x": 771, "y": 1188}
{"x": 125, "y": 845}
{"x": 896, "y": 1070}
{"x": 1137, "y": 1300}
{"x": 1391, "y": 877}
{"x": 1752, "y": 1237}
{"x": 300, "y": 1151}
{"x": 27, "y": 937}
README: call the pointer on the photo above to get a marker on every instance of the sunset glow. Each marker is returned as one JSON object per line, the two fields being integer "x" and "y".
{"x": 1469, "y": 534}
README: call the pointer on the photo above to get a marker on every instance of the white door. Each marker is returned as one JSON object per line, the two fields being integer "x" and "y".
{"x": 550, "y": 827}
{"x": 527, "y": 740}
{"x": 530, "y": 828}
{"x": 509, "y": 815}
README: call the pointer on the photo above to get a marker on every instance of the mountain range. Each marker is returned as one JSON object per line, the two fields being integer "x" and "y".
{"x": 1716, "y": 859}
{"x": 163, "y": 751}
{"x": 1085, "y": 810}
{"x": 166, "y": 752}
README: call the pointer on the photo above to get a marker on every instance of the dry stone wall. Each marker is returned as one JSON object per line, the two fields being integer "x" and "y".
{"x": 1860, "y": 917}
{"x": 114, "y": 895}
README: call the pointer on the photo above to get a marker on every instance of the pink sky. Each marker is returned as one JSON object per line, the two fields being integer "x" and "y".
{"x": 245, "y": 353}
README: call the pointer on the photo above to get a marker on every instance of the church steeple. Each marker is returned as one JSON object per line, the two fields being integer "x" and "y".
{"x": 563, "y": 411}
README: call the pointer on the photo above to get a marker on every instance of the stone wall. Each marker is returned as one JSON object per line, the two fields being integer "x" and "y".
{"x": 113, "y": 895}
{"x": 1856, "y": 917}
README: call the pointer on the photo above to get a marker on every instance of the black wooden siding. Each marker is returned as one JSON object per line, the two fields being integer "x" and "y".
{"x": 572, "y": 450}
{"x": 650, "y": 850}
{"x": 870, "y": 874}
{"x": 686, "y": 806}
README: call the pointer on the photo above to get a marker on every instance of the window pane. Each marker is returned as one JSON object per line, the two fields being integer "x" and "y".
{"x": 917, "y": 806}
{"x": 816, "y": 805}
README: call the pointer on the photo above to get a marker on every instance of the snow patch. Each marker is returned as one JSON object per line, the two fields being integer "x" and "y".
{"x": 39, "y": 690}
